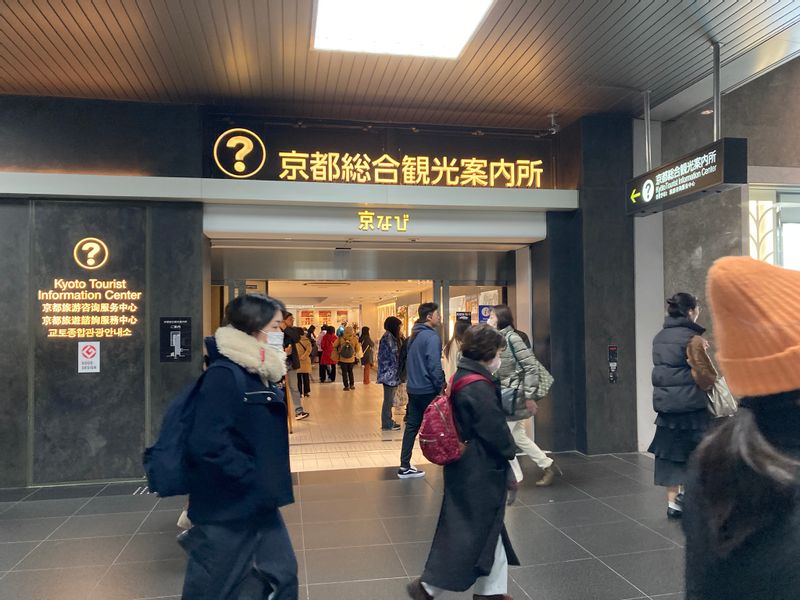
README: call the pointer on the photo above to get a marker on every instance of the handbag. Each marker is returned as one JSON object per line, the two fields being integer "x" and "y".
{"x": 721, "y": 402}
{"x": 545, "y": 380}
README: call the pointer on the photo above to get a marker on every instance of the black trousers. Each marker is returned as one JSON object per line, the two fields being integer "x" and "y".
{"x": 347, "y": 374}
{"x": 304, "y": 383}
{"x": 240, "y": 561}
{"x": 417, "y": 403}
{"x": 327, "y": 372}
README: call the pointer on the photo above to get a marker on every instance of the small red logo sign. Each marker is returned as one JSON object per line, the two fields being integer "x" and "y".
{"x": 89, "y": 352}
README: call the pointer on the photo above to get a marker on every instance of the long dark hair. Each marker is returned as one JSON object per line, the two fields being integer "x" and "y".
{"x": 505, "y": 317}
{"x": 746, "y": 483}
{"x": 680, "y": 304}
{"x": 364, "y": 336}
{"x": 393, "y": 325}
{"x": 458, "y": 335}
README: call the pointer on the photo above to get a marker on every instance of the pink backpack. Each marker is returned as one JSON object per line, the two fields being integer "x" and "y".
{"x": 438, "y": 434}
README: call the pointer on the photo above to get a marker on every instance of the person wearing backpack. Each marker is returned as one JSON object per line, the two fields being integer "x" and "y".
{"x": 347, "y": 351}
{"x": 471, "y": 547}
{"x": 237, "y": 462}
{"x": 519, "y": 374}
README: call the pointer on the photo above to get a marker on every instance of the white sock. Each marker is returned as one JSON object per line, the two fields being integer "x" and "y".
{"x": 675, "y": 506}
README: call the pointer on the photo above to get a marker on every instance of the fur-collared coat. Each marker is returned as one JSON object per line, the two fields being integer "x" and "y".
{"x": 238, "y": 448}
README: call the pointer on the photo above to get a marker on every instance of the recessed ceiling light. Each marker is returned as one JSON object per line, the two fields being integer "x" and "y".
{"x": 438, "y": 29}
{"x": 708, "y": 111}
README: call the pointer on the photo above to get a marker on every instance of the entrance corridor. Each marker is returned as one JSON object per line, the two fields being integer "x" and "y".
{"x": 600, "y": 533}
{"x": 343, "y": 431}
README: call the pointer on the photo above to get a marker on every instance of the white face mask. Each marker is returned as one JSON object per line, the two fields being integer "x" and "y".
{"x": 275, "y": 339}
{"x": 495, "y": 364}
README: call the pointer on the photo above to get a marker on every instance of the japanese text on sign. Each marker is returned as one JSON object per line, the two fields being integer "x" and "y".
{"x": 335, "y": 167}
{"x": 682, "y": 177}
{"x": 369, "y": 221}
{"x": 94, "y": 308}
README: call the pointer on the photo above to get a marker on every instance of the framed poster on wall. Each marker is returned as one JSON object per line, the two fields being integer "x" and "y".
{"x": 325, "y": 317}
{"x": 342, "y": 316}
{"x": 307, "y": 318}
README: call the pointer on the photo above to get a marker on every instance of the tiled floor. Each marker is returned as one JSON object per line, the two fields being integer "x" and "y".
{"x": 600, "y": 533}
{"x": 343, "y": 431}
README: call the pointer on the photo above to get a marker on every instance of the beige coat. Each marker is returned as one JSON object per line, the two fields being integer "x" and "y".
{"x": 304, "y": 347}
{"x": 349, "y": 336}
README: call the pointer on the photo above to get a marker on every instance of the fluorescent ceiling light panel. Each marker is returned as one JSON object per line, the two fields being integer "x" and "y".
{"x": 430, "y": 28}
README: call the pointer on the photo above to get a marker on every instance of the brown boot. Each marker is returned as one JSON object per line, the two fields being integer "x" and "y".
{"x": 416, "y": 591}
{"x": 549, "y": 475}
{"x": 492, "y": 597}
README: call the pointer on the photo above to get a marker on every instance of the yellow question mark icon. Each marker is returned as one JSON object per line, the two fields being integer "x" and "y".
{"x": 247, "y": 144}
{"x": 86, "y": 253}
{"x": 91, "y": 249}
{"x": 246, "y": 148}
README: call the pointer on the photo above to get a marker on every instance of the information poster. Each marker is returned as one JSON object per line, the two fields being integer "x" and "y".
{"x": 175, "y": 339}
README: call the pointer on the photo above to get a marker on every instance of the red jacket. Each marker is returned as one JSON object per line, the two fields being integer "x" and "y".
{"x": 327, "y": 349}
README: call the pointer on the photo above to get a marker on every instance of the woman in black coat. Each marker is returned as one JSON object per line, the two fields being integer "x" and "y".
{"x": 238, "y": 463}
{"x": 742, "y": 508}
{"x": 471, "y": 546}
{"x": 682, "y": 374}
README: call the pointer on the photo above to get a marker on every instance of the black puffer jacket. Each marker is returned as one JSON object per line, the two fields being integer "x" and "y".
{"x": 674, "y": 389}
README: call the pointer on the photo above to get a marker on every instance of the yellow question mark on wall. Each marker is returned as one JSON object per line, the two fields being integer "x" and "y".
{"x": 86, "y": 253}
{"x": 247, "y": 145}
{"x": 246, "y": 148}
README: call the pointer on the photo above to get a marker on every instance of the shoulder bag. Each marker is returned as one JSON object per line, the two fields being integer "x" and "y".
{"x": 721, "y": 402}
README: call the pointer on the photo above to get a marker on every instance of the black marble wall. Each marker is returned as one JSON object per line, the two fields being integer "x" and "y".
{"x": 586, "y": 267}
{"x": 608, "y": 280}
{"x": 96, "y": 136}
{"x": 16, "y": 347}
{"x": 175, "y": 266}
{"x": 89, "y": 426}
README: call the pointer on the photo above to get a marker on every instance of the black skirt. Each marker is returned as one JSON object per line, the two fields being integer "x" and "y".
{"x": 677, "y": 436}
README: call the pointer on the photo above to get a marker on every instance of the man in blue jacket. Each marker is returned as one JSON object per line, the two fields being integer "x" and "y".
{"x": 425, "y": 379}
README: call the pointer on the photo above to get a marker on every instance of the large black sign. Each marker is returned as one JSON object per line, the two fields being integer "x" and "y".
{"x": 715, "y": 168}
{"x": 249, "y": 148}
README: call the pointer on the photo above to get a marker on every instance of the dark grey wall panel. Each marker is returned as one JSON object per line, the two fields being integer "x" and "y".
{"x": 89, "y": 425}
{"x": 558, "y": 331}
{"x": 175, "y": 262}
{"x": 80, "y": 136}
{"x": 608, "y": 280}
{"x": 14, "y": 351}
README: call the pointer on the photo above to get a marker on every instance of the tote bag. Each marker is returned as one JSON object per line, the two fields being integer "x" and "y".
{"x": 721, "y": 402}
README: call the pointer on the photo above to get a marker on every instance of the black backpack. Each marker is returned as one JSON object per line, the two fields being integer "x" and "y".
{"x": 346, "y": 350}
{"x": 404, "y": 357}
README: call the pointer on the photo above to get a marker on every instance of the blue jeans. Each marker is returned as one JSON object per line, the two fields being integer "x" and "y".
{"x": 241, "y": 561}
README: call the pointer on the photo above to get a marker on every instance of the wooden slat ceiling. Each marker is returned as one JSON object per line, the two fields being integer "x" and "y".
{"x": 529, "y": 57}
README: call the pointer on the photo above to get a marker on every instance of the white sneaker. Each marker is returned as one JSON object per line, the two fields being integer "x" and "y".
{"x": 409, "y": 473}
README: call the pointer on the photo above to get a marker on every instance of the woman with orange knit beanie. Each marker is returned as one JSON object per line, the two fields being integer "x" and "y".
{"x": 682, "y": 374}
{"x": 742, "y": 520}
